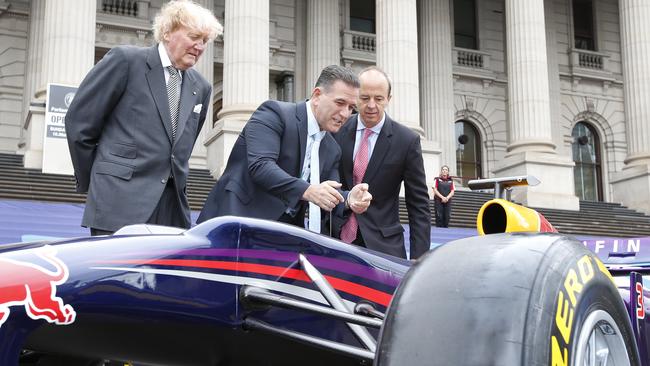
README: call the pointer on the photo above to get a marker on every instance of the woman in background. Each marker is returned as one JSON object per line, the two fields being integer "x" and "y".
{"x": 443, "y": 191}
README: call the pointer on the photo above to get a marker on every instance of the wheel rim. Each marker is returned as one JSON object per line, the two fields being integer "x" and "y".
{"x": 600, "y": 342}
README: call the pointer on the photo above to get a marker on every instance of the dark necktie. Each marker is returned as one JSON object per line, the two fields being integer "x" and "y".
{"x": 174, "y": 95}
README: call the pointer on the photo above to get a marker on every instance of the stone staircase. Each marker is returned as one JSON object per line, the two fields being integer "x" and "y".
{"x": 600, "y": 219}
{"x": 594, "y": 218}
{"x": 17, "y": 182}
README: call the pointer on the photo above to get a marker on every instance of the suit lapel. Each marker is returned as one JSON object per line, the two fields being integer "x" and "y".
{"x": 324, "y": 154}
{"x": 379, "y": 152}
{"x": 188, "y": 100}
{"x": 301, "y": 119}
{"x": 347, "y": 150}
{"x": 156, "y": 80}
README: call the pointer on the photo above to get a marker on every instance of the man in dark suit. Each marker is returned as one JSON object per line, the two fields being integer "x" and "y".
{"x": 269, "y": 167}
{"x": 381, "y": 152}
{"x": 134, "y": 120}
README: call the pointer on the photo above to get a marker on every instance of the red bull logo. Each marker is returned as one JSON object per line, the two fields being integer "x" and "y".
{"x": 34, "y": 287}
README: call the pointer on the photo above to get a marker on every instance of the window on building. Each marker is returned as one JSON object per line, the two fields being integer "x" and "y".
{"x": 284, "y": 85}
{"x": 465, "y": 34}
{"x": 583, "y": 25}
{"x": 468, "y": 151}
{"x": 362, "y": 16}
{"x": 586, "y": 155}
{"x": 217, "y": 105}
{"x": 100, "y": 53}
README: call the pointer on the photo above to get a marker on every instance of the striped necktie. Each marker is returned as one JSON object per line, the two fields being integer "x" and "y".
{"x": 174, "y": 95}
{"x": 349, "y": 229}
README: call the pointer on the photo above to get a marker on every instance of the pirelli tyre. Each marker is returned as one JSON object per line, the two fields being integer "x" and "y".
{"x": 508, "y": 299}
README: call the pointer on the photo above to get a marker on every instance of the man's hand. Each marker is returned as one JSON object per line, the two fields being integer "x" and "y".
{"x": 359, "y": 198}
{"x": 324, "y": 195}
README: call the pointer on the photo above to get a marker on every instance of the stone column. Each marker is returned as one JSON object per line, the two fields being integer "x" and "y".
{"x": 437, "y": 84}
{"x": 300, "y": 70}
{"x": 528, "y": 90}
{"x": 288, "y": 87}
{"x": 35, "y": 48}
{"x": 323, "y": 38}
{"x": 68, "y": 46}
{"x": 205, "y": 66}
{"x": 632, "y": 185}
{"x": 531, "y": 150}
{"x": 245, "y": 75}
{"x": 31, "y": 134}
{"x": 397, "y": 55}
{"x": 557, "y": 131}
{"x": 69, "y": 41}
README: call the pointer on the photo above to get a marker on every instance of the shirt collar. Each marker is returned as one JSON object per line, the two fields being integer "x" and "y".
{"x": 164, "y": 57}
{"x": 376, "y": 129}
{"x": 312, "y": 125}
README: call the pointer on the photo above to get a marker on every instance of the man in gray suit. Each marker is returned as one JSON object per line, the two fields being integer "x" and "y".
{"x": 132, "y": 125}
{"x": 266, "y": 175}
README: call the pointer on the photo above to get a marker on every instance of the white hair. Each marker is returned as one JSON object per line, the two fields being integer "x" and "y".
{"x": 185, "y": 13}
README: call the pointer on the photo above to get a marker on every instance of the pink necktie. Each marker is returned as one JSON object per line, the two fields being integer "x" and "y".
{"x": 349, "y": 229}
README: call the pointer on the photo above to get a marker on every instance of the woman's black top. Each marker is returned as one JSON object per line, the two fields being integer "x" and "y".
{"x": 444, "y": 186}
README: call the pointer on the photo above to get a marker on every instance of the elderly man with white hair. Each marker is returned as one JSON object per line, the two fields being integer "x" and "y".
{"x": 134, "y": 121}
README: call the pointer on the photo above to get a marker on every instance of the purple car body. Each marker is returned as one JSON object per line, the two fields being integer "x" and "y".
{"x": 175, "y": 298}
{"x": 178, "y": 298}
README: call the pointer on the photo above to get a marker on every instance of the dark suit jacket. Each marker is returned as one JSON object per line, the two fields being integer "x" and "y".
{"x": 119, "y": 133}
{"x": 262, "y": 177}
{"x": 397, "y": 157}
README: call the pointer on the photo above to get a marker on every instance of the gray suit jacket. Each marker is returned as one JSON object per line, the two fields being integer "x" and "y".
{"x": 119, "y": 133}
{"x": 262, "y": 178}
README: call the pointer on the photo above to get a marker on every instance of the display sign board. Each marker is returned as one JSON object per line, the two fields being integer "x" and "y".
{"x": 56, "y": 156}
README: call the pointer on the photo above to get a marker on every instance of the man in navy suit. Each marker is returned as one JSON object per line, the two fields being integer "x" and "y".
{"x": 391, "y": 155}
{"x": 266, "y": 172}
{"x": 134, "y": 120}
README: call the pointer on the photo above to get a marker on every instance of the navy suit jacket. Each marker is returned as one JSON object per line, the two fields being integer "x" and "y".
{"x": 263, "y": 175}
{"x": 119, "y": 133}
{"x": 396, "y": 158}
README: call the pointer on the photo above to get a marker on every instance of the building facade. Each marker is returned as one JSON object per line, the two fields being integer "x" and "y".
{"x": 559, "y": 89}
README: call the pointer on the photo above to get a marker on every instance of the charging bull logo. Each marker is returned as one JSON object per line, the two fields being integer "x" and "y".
{"x": 34, "y": 287}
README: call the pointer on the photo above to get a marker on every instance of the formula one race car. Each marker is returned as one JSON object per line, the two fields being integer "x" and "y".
{"x": 239, "y": 291}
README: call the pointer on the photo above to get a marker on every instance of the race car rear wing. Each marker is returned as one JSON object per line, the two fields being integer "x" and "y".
{"x": 502, "y": 184}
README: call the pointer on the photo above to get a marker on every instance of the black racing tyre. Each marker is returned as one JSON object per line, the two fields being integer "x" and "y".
{"x": 508, "y": 299}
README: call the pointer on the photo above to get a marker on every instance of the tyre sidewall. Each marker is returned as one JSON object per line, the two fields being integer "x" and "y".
{"x": 582, "y": 275}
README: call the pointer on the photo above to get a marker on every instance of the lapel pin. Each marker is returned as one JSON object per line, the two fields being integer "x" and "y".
{"x": 194, "y": 92}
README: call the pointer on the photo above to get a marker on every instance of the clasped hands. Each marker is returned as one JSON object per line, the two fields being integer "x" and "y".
{"x": 326, "y": 196}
